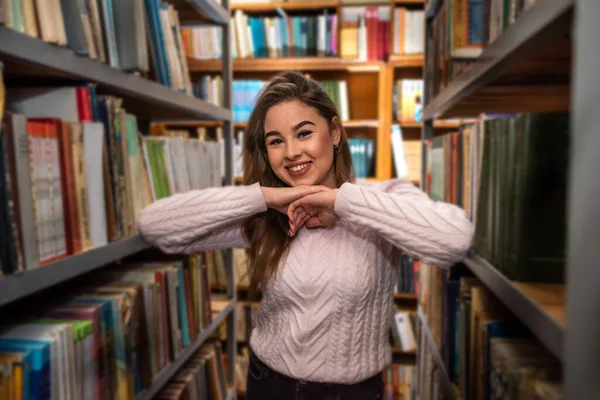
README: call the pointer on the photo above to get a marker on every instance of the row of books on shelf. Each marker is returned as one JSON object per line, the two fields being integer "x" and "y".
{"x": 209, "y": 88}
{"x": 484, "y": 348}
{"x": 399, "y": 382}
{"x": 365, "y": 33}
{"x": 514, "y": 191}
{"x": 363, "y": 156}
{"x": 109, "y": 334}
{"x": 459, "y": 33}
{"x": 132, "y": 35}
{"x": 245, "y": 93}
{"x": 202, "y": 377}
{"x": 284, "y": 36}
{"x": 406, "y": 155}
{"x": 76, "y": 173}
{"x": 408, "y": 276}
{"x": 407, "y": 103}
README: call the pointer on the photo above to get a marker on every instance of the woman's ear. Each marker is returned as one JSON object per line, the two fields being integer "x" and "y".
{"x": 336, "y": 130}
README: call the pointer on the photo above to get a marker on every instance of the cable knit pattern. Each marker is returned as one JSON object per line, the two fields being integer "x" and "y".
{"x": 325, "y": 316}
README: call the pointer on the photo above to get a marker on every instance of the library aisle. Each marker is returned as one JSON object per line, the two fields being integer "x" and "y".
{"x": 108, "y": 106}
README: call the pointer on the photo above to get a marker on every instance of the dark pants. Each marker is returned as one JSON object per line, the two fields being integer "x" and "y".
{"x": 266, "y": 384}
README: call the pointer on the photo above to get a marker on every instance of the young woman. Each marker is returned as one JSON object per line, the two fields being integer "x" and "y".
{"x": 323, "y": 249}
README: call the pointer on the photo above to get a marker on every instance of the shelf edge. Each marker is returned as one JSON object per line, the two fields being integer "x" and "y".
{"x": 20, "y": 285}
{"x": 546, "y": 329}
{"x": 64, "y": 62}
{"x": 437, "y": 358}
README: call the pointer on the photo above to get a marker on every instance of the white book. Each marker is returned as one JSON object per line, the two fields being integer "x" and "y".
{"x": 250, "y": 41}
{"x": 407, "y": 337}
{"x": 398, "y": 152}
{"x": 233, "y": 44}
{"x": 241, "y": 32}
{"x": 397, "y": 30}
{"x": 93, "y": 143}
{"x": 362, "y": 40}
{"x": 345, "y": 111}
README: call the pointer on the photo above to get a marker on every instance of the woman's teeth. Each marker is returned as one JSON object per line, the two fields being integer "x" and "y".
{"x": 298, "y": 167}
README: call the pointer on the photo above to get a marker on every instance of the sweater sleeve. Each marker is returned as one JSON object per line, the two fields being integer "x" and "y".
{"x": 434, "y": 232}
{"x": 201, "y": 219}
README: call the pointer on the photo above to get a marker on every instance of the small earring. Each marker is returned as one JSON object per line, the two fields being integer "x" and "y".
{"x": 335, "y": 146}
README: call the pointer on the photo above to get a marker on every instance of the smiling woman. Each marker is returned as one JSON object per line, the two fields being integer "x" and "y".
{"x": 301, "y": 152}
{"x": 324, "y": 250}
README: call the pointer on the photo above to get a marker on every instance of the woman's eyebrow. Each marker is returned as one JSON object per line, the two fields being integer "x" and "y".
{"x": 294, "y": 128}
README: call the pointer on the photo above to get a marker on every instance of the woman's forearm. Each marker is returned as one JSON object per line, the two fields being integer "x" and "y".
{"x": 437, "y": 233}
{"x": 200, "y": 219}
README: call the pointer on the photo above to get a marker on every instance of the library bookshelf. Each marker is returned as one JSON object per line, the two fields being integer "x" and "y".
{"x": 543, "y": 62}
{"x": 27, "y": 59}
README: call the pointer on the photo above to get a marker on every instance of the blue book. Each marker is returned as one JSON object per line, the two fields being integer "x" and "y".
{"x": 304, "y": 34}
{"x": 39, "y": 383}
{"x": 283, "y": 25}
{"x": 158, "y": 41}
{"x": 183, "y": 314}
{"x": 475, "y": 25}
{"x": 108, "y": 18}
{"x": 258, "y": 38}
{"x": 297, "y": 25}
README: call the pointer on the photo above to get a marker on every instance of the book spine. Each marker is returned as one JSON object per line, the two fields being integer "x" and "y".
{"x": 84, "y": 104}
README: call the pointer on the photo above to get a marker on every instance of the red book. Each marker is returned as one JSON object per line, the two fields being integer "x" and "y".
{"x": 372, "y": 22}
{"x": 67, "y": 177}
{"x": 84, "y": 104}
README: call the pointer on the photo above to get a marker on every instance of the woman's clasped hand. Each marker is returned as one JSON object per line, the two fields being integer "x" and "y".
{"x": 312, "y": 206}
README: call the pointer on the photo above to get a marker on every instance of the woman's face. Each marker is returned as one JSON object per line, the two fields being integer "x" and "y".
{"x": 299, "y": 144}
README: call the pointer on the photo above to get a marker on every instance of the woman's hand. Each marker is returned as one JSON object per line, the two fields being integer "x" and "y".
{"x": 314, "y": 210}
{"x": 279, "y": 198}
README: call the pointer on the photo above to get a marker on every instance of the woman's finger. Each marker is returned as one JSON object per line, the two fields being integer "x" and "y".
{"x": 313, "y": 222}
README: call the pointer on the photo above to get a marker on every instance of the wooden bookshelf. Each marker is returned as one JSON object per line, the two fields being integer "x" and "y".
{"x": 407, "y": 2}
{"x": 513, "y": 74}
{"x": 436, "y": 124}
{"x": 271, "y": 7}
{"x": 402, "y": 357}
{"x": 406, "y": 297}
{"x": 406, "y": 61}
{"x": 194, "y": 11}
{"x": 286, "y": 63}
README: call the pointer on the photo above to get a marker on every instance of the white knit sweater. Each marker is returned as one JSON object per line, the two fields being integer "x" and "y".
{"x": 325, "y": 316}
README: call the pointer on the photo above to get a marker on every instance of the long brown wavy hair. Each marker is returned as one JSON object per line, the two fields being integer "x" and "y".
{"x": 267, "y": 232}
